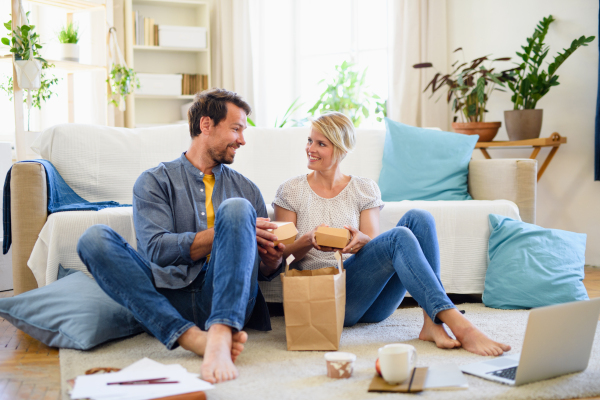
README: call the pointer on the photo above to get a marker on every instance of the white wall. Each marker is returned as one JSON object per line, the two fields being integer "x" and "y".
{"x": 568, "y": 196}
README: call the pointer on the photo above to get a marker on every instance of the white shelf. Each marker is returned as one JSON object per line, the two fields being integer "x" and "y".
{"x": 171, "y": 3}
{"x": 160, "y": 97}
{"x": 66, "y": 66}
{"x": 161, "y": 48}
{"x": 73, "y": 5}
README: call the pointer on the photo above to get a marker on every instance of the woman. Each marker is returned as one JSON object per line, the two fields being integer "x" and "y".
{"x": 379, "y": 268}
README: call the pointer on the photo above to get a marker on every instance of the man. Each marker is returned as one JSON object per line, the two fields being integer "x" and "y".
{"x": 202, "y": 244}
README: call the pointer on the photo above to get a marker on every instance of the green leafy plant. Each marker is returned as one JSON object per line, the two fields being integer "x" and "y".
{"x": 69, "y": 34}
{"x": 29, "y": 40}
{"x": 39, "y": 96}
{"x": 346, "y": 92}
{"x": 122, "y": 82}
{"x": 470, "y": 86}
{"x": 532, "y": 82}
{"x": 22, "y": 41}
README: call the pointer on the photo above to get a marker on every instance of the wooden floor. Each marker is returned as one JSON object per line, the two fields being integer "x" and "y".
{"x": 30, "y": 369}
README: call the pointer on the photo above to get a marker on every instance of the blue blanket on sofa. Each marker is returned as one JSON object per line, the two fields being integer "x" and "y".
{"x": 60, "y": 198}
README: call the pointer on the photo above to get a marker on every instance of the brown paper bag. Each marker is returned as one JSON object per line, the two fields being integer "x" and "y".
{"x": 314, "y": 304}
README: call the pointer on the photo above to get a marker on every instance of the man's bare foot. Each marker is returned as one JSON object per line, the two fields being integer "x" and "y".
{"x": 471, "y": 338}
{"x": 437, "y": 334}
{"x": 218, "y": 358}
{"x": 239, "y": 338}
{"x": 194, "y": 340}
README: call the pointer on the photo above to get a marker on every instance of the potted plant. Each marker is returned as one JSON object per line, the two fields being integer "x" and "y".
{"x": 533, "y": 82}
{"x": 32, "y": 76}
{"x": 68, "y": 49}
{"x": 122, "y": 81}
{"x": 346, "y": 93}
{"x": 24, "y": 44}
{"x": 470, "y": 86}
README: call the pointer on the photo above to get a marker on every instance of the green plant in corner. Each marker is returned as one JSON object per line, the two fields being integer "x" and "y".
{"x": 346, "y": 92}
{"x": 23, "y": 41}
{"x": 532, "y": 82}
{"x": 122, "y": 82}
{"x": 69, "y": 34}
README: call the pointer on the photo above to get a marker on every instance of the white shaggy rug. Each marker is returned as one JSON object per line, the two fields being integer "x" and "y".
{"x": 269, "y": 371}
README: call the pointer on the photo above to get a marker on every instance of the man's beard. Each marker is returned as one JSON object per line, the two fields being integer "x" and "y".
{"x": 222, "y": 157}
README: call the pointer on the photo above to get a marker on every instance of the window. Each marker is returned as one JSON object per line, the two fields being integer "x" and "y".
{"x": 297, "y": 43}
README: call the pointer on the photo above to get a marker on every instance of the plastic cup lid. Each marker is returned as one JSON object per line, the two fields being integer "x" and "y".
{"x": 340, "y": 356}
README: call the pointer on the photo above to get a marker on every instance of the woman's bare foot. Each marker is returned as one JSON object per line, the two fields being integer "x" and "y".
{"x": 471, "y": 338}
{"x": 194, "y": 340}
{"x": 218, "y": 358}
{"x": 437, "y": 334}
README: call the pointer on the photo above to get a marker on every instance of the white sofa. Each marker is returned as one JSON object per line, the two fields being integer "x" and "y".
{"x": 102, "y": 163}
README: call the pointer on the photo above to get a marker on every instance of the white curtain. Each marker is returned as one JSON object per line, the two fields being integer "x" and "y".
{"x": 231, "y": 48}
{"x": 418, "y": 34}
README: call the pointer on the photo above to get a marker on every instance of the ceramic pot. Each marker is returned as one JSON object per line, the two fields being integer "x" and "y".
{"x": 63, "y": 51}
{"x": 523, "y": 124}
{"x": 486, "y": 130}
{"x": 24, "y": 140}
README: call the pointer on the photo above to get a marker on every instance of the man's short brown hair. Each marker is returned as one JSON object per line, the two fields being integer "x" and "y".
{"x": 212, "y": 103}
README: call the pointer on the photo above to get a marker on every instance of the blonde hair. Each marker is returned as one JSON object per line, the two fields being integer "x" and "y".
{"x": 339, "y": 130}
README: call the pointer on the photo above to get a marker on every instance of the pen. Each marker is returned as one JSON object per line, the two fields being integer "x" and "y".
{"x": 143, "y": 382}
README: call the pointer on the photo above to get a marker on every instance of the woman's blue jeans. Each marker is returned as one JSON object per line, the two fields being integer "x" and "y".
{"x": 224, "y": 293}
{"x": 404, "y": 258}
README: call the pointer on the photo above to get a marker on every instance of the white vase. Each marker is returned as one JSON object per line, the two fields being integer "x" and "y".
{"x": 24, "y": 140}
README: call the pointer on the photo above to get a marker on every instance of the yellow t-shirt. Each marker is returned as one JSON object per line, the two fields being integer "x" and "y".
{"x": 209, "y": 184}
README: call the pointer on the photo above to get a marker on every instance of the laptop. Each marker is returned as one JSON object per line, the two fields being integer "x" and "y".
{"x": 558, "y": 341}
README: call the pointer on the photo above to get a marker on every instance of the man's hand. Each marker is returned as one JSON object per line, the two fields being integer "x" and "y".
{"x": 270, "y": 255}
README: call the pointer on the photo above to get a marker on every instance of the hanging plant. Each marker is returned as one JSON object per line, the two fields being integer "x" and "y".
{"x": 122, "y": 80}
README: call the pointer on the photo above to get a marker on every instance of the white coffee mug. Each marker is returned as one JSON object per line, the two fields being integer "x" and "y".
{"x": 397, "y": 362}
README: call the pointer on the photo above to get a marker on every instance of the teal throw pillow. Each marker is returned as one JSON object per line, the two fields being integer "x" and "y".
{"x": 424, "y": 164}
{"x": 73, "y": 312}
{"x": 530, "y": 266}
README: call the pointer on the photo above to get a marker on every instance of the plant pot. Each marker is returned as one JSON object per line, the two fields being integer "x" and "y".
{"x": 64, "y": 51}
{"x": 523, "y": 124}
{"x": 24, "y": 140}
{"x": 486, "y": 130}
{"x": 29, "y": 73}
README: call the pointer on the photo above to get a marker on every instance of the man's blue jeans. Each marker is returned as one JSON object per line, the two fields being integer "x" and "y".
{"x": 404, "y": 258}
{"x": 224, "y": 293}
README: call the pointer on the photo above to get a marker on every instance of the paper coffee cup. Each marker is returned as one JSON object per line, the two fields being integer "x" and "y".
{"x": 340, "y": 365}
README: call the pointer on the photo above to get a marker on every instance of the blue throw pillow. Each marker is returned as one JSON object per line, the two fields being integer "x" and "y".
{"x": 530, "y": 266}
{"x": 424, "y": 164}
{"x": 73, "y": 312}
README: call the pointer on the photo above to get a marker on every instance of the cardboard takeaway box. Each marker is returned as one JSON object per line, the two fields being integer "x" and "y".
{"x": 286, "y": 232}
{"x": 332, "y": 237}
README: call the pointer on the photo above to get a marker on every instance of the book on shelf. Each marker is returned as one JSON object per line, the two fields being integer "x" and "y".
{"x": 193, "y": 83}
{"x": 145, "y": 31}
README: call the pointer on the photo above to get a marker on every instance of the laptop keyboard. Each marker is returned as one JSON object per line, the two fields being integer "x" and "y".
{"x": 508, "y": 373}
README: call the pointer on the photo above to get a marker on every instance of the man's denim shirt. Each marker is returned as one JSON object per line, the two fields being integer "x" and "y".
{"x": 169, "y": 208}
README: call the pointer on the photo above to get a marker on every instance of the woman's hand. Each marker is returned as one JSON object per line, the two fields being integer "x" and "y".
{"x": 310, "y": 237}
{"x": 357, "y": 242}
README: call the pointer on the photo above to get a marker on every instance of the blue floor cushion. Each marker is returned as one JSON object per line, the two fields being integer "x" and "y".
{"x": 530, "y": 266}
{"x": 424, "y": 164}
{"x": 73, "y": 312}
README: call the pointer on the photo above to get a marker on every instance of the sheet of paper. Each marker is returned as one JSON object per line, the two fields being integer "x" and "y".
{"x": 445, "y": 377}
{"x": 96, "y": 386}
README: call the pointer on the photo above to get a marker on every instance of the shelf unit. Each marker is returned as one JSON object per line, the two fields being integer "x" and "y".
{"x": 23, "y": 138}
{"x": 150, "y": 110}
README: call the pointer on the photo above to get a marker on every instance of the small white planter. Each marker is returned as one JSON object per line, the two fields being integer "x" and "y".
{"x": 29, "y": 73}
{"x": 24, "y": 140}
{"x": 67, "y": 52}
